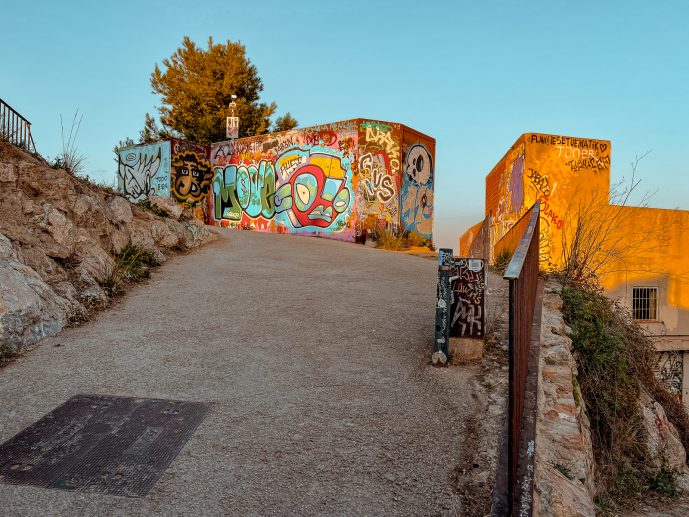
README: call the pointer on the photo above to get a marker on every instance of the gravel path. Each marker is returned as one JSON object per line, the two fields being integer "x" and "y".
{"x": 314, "y": 354}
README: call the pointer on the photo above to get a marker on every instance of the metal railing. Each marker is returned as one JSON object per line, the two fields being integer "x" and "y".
{"x": 14, "y": 128}
{"x": 513, "y": 493}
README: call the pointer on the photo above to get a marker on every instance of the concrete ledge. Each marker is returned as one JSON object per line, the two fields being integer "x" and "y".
{"x": 466, "y": 350}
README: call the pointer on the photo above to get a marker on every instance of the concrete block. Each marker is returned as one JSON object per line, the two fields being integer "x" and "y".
{"x": 466, "y": 350}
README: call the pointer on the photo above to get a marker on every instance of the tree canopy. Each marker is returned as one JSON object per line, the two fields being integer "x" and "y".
{"x": 196, "y": 87}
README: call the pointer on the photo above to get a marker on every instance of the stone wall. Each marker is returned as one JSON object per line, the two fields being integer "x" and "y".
{"x": 564, "y": 484}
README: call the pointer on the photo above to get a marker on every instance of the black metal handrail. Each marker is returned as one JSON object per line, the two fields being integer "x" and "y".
{"x": 14, "y": 128}
{"x": 514, "y": 484}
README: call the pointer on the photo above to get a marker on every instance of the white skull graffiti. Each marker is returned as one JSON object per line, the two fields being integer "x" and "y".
{"x": 418, "y": 165}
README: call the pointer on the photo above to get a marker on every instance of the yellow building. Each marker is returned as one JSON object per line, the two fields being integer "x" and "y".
{"x": 644, "y": 257}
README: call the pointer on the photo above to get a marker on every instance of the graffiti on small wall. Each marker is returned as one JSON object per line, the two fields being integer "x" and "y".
{"x": 298, "y": 182}
{"x": 142, "y": 171}
{"x": 377, "y": 192}
{"x": 669, "y": 371}
{"x": 468, "y": 298}
{"x": 190, "y": 175}
{"x": 417, "y": 191}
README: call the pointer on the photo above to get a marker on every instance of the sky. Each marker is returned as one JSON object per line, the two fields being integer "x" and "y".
{"x": 474, "y": 75}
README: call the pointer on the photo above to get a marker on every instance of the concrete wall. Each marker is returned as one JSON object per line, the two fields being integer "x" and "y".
{"x": 563, "y": 172}
{"x": 144, "y": 170}
{"x": 656, "y": 254}
{"x": 340, "y": 180}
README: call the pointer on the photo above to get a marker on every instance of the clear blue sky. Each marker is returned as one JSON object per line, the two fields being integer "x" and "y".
{"x": 475, "y": 75}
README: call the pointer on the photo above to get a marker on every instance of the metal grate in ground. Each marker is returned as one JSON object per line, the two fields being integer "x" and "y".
{"x": 96, "y": 443}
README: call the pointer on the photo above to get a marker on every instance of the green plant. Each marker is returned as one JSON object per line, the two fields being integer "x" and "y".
{"x": 564, "y": 470}
{"x": 502, "y": 261}
{"x": 576, "y": 391}
{"x": 132, "y": 264}
{"x": 7, "y": 354}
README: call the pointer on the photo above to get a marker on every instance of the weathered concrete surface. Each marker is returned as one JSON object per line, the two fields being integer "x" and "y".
{"x": 315, "y": 355}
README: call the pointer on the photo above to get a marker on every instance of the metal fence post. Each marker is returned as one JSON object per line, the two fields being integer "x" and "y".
{"x": 442, "y": 307}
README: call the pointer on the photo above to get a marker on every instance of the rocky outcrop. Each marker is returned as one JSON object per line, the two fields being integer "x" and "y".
{"x": 565, "y": 468}
{"x": 59, "y": 238}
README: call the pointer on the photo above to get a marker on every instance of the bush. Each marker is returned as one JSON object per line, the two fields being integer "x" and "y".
{"x": 389, "y": 241}
{"x": 6, "y": 354}
{"x": 502, "y": 261}
{"x": 145, "y": 204}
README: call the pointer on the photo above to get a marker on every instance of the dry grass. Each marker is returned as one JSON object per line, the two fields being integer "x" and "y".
{"x": 132, "y": 265}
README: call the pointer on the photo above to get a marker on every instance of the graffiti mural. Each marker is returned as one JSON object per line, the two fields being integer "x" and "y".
{"x": 299, "y": 181}
{"x": 417, "y": 191}
{"x": 377, "y": 195}
{"x": 342, "y": 180}
{"x": 468, "y": 298}
{"x": 191, "y": 175}
{"x": 142, "y": 171}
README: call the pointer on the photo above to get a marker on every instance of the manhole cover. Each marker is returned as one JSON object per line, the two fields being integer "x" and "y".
{"x": 116, "y": 445}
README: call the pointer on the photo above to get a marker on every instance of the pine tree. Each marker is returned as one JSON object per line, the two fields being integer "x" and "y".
{"x": 196, "y": 88}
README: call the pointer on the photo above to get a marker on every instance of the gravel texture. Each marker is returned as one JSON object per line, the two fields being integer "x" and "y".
{"x": 315, "y": 355}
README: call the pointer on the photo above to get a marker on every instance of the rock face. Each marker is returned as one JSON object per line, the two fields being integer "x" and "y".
{"x": 663, "y": 444}
{"x": 564, "y": 484}
{"x": 59, "y": 238}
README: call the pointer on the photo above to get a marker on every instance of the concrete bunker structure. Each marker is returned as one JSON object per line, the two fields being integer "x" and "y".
{"x": 347, "y": 180}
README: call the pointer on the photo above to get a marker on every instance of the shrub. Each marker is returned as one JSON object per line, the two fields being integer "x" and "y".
{"x": 502, "y": 261}
{"x": 389, "y": 241}
{"x": 6, "y": 354}
{"x": 132, "y": 265}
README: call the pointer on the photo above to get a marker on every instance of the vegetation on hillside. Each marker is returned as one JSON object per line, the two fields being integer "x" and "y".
{"x": 132, "y": 265}
{"x": 616, "y": 361}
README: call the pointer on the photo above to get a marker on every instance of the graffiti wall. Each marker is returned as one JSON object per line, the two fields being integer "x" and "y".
{"x": 144, "y": 170}
{"x": 299, "y": 181}
{"x": 468, "y": 312}
{"x": 342, "y": 180}
{"x": 562, "y": 172}
{"x": 191, "y": 175}
{"x": 417, "y": 184}
{"x": 379, "y": 177}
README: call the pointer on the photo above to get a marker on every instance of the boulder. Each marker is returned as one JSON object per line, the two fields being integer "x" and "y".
{"x": 167, "y": 205}
{"x": 121, "y": 210}
{"x": 29, "y": 309}
{"x": 663, "y": 444}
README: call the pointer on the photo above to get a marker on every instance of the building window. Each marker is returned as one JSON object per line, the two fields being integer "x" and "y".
{"x": 645, "y": 303}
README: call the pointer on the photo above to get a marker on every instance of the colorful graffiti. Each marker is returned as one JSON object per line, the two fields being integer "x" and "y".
{"x": 377, "y": 195}
{"x": 417, "y": 191}
{"x": 191, "y": 177}
{"x": 341, "y": 180}
{"x": 142, "y": 171}
{"x": 191, "y": 174}
{"x": 299, "y": 181}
